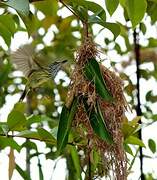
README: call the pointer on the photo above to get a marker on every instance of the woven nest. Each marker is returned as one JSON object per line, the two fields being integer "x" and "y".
{"x": 112, "y": 155}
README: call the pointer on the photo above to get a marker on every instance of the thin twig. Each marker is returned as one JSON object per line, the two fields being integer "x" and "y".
{"x": 69, "y": 9}
{"x": 89, "y": 163}
{"x": 138, "y": 107}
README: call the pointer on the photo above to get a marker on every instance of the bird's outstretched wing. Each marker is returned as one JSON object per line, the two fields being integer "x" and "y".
{"x": 23, "y": 59}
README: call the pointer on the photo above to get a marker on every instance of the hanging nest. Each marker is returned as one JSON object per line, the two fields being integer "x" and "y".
{"x": 113, "y": 157}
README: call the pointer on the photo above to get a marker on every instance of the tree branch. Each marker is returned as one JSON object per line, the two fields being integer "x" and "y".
{"x": 138, "y": 107}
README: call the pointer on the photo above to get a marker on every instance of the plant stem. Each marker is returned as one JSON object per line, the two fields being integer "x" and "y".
{"x": 138, "y": 107}
{"x": 64, "y": 4}
{"x": 89, "y": 163}
{"x": 29, "y": 112}
{"x": 84, "y": 22}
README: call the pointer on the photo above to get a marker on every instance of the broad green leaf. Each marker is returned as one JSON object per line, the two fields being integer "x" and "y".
{"x": 5, "y": 33}
{"x": 111, "y": 5}
{"x": 128, "y": 149}
{"x": 151, "y": 97}
{"x": 96, "y": 8}
{"x": 33, "y": 119}
{"x": 23, "y": 173}
{"x": 41, "y": 135}
{"x": 127, "y": 130}
{"x": 154, "y": 117}
{"x": 1, "y": 130}
{"x": 29, "y": 144}
{"x": 54, "y": 132}
{"x": 48, "y": 7}
{"x": 76, "y": 161}
{"x": 29, "y": 134}
{"x": 97, "y": 122}
{"x": 16, "y": 121}
{"x": 152, "y": 145}
{"x": 153, "y": 1}
{"x": 151, "y": 10}
{"x": 95, "y": 158}
{"x": 46, "y": 136}
{"x": 93, "y": 73}
{"x": 20, "y": 106}
{"x": 4, "y": 128}
{"x": 9, "y": 23}
{"x": 152, "y": 42}
{"x": 9, "y": 142}
{"x": 89, "y": 6}
{"x": 21, "y": 6}
{"x": 113, "y": 27}
{"x": 5, "y": 70}
{"x": 30, "y": 22}
{"x": 136, "y": 10}
{"x": 122, "y": 2}
{"x": 67, "y": 115}
{"x": 134, "y": 140}
{"x": 135, "y": 121}
{"x": 39, "y": 119}
{"x": 143, "y": 28}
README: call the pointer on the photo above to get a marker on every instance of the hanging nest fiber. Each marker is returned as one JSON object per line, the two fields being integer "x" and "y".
{"x": 113, "y": 157}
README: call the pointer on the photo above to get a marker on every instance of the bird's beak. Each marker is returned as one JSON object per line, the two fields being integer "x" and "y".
{"x": 64, "y": 61}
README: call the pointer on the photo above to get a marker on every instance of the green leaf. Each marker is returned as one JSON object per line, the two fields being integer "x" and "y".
{"x": 4, "y": 128}
{"x": 95, "y": 158}
{"x": 88, "y": 6}
{"x": 133, "y": 160}
{"x": 5, "y": 142}
{"x": 76, "y": 161}
{"x": 128, "y": 149}
{"x": 54, "y": 132}
{"x": 151, "y": 10}
{"x": 67, "y": 115}
{"x": 93, "y": 73}
{"x": 143, "y": 28}
{"x": 6, "y": 34}
{"x": 30, "y": 22}
{"x": 152, "y": 145}
{"x": 113, "y": 27}
{"x": 135, "y": 121}
{"x": 24, "y": 174}
{"x": 21, "y": 6}
{"x": 16, "y": 121}
{"x": 20, "y": 106}
{"x": 39, "y": 119}
{"x": 96, "y": 8}
{"x": 152, "y": 42}
{"x": 9, "y": 23}
{"x": 111, "y": 6}
{"x": 46, "y": 136}
{"x": 122, "y": 3}
{"x": 48, "y": 7}
{"x": 29, "y": 134}
{"x": 97, "y": 122}
{"x": 136, "y": 10}
{"x": 128, "y": 130}
{"x": 134, "y": 140}
{"x": 30, "y": 145}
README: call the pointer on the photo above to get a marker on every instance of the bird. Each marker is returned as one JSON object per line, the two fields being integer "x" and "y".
{"x": 33, "y": 67}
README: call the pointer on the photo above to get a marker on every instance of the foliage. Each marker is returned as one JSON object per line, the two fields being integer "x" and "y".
{"x": 39, "y": 117}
